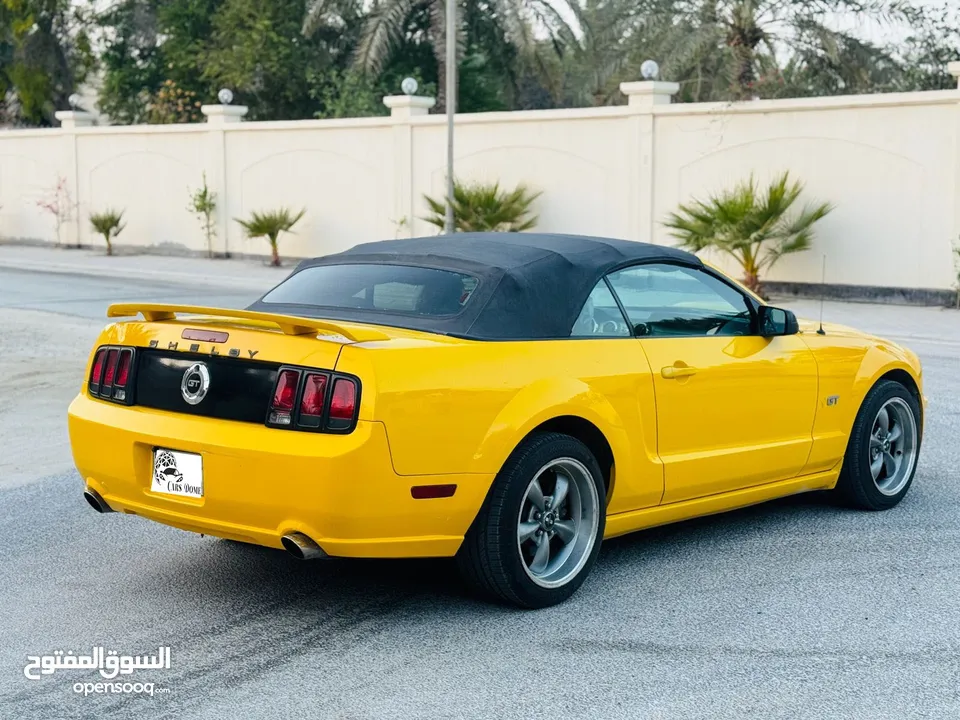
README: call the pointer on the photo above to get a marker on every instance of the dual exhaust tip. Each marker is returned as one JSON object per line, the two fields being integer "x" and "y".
{"x": 297, "y": 544}
{"x": 96, "y": 502}
{"x": 302, "y": 547}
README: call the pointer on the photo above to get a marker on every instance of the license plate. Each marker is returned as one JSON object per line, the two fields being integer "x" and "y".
{"x": 177, "y": 473}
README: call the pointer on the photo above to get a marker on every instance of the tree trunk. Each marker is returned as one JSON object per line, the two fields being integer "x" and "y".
{"x": 743, "y": 37}
{"x": 109, "y": 245}
{"x": 274, "y": 253}
{"x": 746, "y": 78}
{"x": 751, "y": 278}
{"x": 439, "y": 32}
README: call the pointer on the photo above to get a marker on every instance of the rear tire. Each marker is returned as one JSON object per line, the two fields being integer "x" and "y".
{"x": 523, "y": 547}
{"x": 883, "y": 449}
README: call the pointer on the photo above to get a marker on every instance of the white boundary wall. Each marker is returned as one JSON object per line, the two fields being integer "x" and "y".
{"x": 889, "y": 163}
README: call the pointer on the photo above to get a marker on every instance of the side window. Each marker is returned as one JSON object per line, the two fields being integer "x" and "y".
{"x": 600, "y": 316}
{"x": 676, "y": 301}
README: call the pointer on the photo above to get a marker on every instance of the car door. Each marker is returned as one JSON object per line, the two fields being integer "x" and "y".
{"x": 734, "y": 409}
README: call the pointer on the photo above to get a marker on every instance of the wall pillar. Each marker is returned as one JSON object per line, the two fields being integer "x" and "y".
{"x": 71, "y": 232}
{"x": 218, "y": 118}
{"x": 403, "y": 109}
{"x": 642, "y": 98}
{"x": 954, "y": 69}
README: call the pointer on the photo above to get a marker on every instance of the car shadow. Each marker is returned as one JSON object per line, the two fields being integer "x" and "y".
{"x": 254, "y": 573}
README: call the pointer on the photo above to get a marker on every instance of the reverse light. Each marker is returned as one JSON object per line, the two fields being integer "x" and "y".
{"x": 123, "y": 374}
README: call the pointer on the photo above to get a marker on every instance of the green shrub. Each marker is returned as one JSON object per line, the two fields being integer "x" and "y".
{"x": 956, "y": 269}
{"x": 108, "y": 223}
{"x": 270, "y": 224}
{"x": 755, "y": 228}
{"x": 481, "y": 207}
{"x": 203, "y": 203}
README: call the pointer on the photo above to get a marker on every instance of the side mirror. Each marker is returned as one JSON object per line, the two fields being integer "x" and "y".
{"x": 777, "y": 321}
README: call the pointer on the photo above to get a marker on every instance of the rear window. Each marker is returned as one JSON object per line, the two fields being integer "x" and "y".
{"x": 389, "y": 288}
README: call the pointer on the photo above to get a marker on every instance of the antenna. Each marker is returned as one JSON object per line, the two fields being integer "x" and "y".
{"x": 823, "y": 291}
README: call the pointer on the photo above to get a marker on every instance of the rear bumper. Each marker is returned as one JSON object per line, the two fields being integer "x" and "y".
{"x": 261, "y": 483}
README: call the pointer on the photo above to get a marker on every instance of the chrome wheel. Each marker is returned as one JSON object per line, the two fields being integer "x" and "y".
{"x": 893, "y": 446}
{"x": 559, "y": 517}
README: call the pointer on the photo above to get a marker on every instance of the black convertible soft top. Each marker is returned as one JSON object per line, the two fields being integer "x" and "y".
{"x": 529, "y": 285}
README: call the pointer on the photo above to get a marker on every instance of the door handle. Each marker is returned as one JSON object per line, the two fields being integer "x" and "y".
{"x": 672, "y": 372}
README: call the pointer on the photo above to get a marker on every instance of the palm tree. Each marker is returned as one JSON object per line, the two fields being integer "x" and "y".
{"x": 44, "y": 55}
{"x": 108, "y": 223}
{"x": 386, "y": 25}
{"x": 598, "y": 57}
{"x": 270, "y": 224}
{"x": 730, "y": 49}
{"x": 754, "y": 228}
{"x": 483, "y": 207}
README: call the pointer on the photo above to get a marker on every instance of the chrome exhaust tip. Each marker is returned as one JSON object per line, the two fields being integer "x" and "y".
{"x": 96, "y": 502}
{"x": 302, "y": 547}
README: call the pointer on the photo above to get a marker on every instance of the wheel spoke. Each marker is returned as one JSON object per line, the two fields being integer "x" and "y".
{"x": 895, "y": 433}
{"x": 542, "y": 556}
{"x": 526, "y": 530}
{"x": 558, "y": 524}
{"x": 560, "y": 491}
{"x": 889, "y": 464}
{"x": 535, "y": 493}
{"x": 566, "y": 530}
{"x": 892, "y": 449}
{"x": 883, "y": 421}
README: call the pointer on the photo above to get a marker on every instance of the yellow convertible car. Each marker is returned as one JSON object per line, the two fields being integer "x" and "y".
{"x": 508, "y": 399}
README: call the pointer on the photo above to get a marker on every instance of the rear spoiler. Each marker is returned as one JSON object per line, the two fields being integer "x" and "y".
{"x": 289, "y": 324}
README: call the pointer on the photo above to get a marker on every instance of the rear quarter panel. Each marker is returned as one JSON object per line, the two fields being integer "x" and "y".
{"x": 453, "y": 406}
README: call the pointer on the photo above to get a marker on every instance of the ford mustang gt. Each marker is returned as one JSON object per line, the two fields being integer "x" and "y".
{"x": 507, "y": 399}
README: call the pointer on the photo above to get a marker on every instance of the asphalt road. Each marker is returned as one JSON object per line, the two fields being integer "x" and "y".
{"x": 793, "y": 609}
{"x": 48, "y": 323}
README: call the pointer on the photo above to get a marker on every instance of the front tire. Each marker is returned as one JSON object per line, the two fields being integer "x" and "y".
{"x": 883, "y": 449}
{"x": 538, "y": 533}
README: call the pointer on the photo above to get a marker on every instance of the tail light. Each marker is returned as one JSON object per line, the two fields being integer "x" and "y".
{"x": 312, "y": 403}
{"x": 111, "y": 370}
{"x": 111, "y": 373}
{"x": 304, "y": 399}
{"x": 343, "y": 404}
{"x": 284, "y": 398}
{"x": 96, "y": 374}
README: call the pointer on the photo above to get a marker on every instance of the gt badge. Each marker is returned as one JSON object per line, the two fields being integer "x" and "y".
{"x": 195, "y": 383}
{"x": 832, "y": 400}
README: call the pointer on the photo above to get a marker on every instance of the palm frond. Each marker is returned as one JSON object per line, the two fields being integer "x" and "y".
{"x": 108, "y": 223}
{"x": 270, "y": 223}
{"x": 484, "y": 207}
{"x": 382, "y": 32}
{"x": 754, "y": 227}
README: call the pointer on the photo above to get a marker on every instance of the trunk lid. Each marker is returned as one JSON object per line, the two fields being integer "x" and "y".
{"x": 242, "y": 352}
